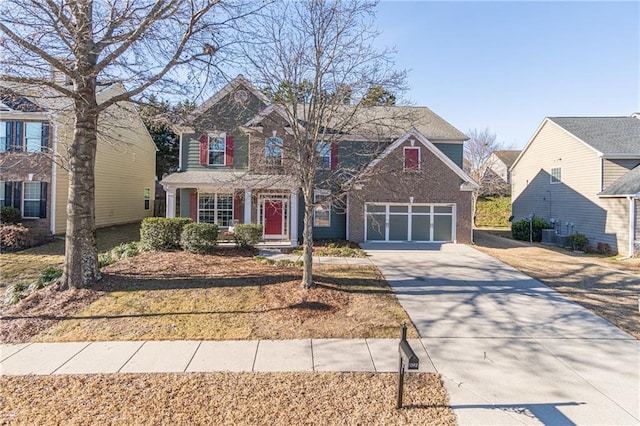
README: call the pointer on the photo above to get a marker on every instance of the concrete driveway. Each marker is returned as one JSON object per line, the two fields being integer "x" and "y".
{"x": 510, "y": 349}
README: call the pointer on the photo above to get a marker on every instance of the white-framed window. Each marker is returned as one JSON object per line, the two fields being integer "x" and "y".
{"x": 215, "y": 208}
{"x": 324, "y": 155}
{"x": 322, "y": 209}
{"x": 217, "y": 150}
{"x": 27, "y": 136}
{"x": 4, "y": 136}
{"x": 147, "y": 198}
{"x": 31, "y": 200}
{"x": 33, "y": 136}
{"x": 411, "y": 158}
{"x": 273, "y": 151}
{"x": 556, "y": 174}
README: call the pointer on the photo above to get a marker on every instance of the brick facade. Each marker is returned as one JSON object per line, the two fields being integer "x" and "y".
{"x": 386, "y": 182}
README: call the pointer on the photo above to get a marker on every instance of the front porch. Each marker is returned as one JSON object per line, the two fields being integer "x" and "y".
{"x": 230, "y": 198}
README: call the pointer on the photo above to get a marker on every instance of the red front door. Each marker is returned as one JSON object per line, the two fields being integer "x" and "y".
{"x": 273, "y": 217}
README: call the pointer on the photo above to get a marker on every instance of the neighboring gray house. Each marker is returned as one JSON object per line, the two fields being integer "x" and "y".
{"x": 583, "y": 175}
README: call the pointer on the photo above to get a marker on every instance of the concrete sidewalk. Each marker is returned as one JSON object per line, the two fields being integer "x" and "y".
{"x": 510, "y": 349}
{"x": 313, "y": 355}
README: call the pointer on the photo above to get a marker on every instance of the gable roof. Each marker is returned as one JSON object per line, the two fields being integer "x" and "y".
{"x": 609, "y": 136}
{"x": 240, "y": 80}
{"x": 468, "y": 182}
{"x": 15, "y": 102}
{"x": 507, "y": 156}
{"x": 627, "y": 185}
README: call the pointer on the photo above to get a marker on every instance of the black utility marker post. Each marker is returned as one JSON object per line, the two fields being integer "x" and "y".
{"x": 412, "y": 361}
{"x": 403, "y": 337}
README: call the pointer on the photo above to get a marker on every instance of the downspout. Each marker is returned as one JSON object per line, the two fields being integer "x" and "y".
{"x": 54, "y": 175}
{"x": 632, "y": 226}
{"x": 180, "y": 152}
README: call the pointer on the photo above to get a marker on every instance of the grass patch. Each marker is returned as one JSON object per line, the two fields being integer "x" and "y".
{"x": 493, "y": 212}
{"x": 228, "y": 295}
{"x": 24, "y": 267}
{"x": 224, "y": 399}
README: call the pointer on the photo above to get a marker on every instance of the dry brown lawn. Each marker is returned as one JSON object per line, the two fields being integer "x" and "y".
{"x": 228, "y": 295}
{"x": 223, "y": 399}
{"x": 606, "y": 286}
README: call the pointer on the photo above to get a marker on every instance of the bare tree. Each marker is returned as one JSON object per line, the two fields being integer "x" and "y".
{"x": 318, "y": 61}
{"x": 161, "y": 45}
{"x": 478, "y": 161}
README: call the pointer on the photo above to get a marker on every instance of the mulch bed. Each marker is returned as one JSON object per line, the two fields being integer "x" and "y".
{"x": 287, "y": 311}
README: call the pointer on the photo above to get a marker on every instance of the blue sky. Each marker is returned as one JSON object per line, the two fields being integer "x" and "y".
{"x": 507, "y": 65}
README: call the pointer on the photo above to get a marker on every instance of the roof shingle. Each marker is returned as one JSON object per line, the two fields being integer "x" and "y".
{"x": 608, "y": 135}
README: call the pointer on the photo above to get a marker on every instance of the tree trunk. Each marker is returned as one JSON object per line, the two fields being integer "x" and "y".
{"x": 307, "y": 237}
{"x": 81, "y": 254}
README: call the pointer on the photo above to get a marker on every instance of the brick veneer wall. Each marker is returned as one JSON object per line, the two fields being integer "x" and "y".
{"x": 386, "y": 182}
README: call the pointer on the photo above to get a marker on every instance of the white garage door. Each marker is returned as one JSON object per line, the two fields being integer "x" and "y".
{"x": 410, "y": 222}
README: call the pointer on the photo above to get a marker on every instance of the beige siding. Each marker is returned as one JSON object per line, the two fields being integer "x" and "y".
{"x": 612, "y": 170}
{"x": 574, "y": 201}
{"x": 125, "y": 166}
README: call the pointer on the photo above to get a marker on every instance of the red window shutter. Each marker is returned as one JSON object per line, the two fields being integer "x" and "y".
{"x": 228, "y": 151}
{"x": 238, "y": 207}
{"x": 411, "y": 159}
{"x": 334, "y": 156}
{"x": 193, "y": 206}
{"x": 204, "y": 150}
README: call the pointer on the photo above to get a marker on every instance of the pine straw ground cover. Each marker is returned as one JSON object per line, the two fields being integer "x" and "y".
{"x": 227, "y": 295}
{"x": 608, "y": 287}
{"x": 224, "y": 399}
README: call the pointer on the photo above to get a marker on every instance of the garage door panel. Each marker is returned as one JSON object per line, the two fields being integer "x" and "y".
{"x": 409, "y": 222}
{"x": 442, "y": 228}
{"x": 398, "y": 227}
{"x": 375, "y": 227}
{"x": 420, "y": 226}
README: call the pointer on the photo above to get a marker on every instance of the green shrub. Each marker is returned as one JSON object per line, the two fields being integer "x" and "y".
{"x": 105, "y": 259}
{"x": 10, "y": 215}
{"x": 199, "y": 237}
{"x": 162, "y": 233}
{"x": 126, "y": 250}
{"x": 47, "y": 276}
{"x": 247, "y": 235}
{"x": 579, "y": 241}
{"x": 520, "y": 229}
{"x": 14, "y": 293}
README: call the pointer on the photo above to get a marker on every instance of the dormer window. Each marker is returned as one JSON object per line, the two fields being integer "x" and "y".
{"x": 411, "y": 158}
{"x": 273, "y": 151}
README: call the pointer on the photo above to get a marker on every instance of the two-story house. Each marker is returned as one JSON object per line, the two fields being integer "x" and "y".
{"x": 583, "y": 175}
{"x": 36, "y": 127}
{"x": 404, "y": 185}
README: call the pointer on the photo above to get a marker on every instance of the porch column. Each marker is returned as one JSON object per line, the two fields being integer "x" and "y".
{"x": 171, "y": 202}
{"x": 247, "y": 205}
{"x": 294, "y": 217}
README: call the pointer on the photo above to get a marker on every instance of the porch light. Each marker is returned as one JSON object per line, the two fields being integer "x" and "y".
{"x": 411, "y": 200}
{"x": 30, "y": 177}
